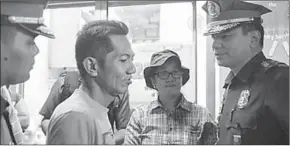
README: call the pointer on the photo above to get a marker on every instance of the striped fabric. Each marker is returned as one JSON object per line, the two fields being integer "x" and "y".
{"x": 189, "y": 124}
{"x": 15, "y": 124}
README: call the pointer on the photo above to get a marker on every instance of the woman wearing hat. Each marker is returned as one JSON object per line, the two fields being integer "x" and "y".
{"x": 170, "y": 119}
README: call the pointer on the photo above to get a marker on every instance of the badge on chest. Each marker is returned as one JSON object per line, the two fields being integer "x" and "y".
{"x": 244, "y": 99}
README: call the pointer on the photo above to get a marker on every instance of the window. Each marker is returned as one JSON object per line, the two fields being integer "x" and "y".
{"x": 152, "y": 28}
{"x": 55, "y": 55}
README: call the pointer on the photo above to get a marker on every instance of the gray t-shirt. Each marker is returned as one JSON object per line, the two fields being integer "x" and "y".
{"x": 80, "y": 120}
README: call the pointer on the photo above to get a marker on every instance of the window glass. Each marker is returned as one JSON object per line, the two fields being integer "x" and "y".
{"x": 153, "y": 28}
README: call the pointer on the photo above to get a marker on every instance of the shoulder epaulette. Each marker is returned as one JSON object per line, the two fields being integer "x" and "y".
{"x": 269, "y": 63}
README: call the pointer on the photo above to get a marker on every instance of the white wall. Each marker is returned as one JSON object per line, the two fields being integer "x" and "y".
{"x": 35, "y": 89}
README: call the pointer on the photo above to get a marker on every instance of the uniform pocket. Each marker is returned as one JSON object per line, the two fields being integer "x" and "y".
{"x": 248, "y": 121}
{"x": 248, "y": 128}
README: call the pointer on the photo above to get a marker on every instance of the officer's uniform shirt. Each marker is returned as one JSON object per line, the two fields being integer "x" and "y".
{"x": 256, "y": 104}
{"x": 6, "y": 135}
{"x": 27, "y": 16}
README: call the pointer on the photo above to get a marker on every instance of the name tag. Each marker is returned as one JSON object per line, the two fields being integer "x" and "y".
{"x": 237, "y": 139}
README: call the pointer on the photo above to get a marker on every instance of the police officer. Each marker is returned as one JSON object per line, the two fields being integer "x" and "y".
{"x": 255, "y": 109}
{"x": 21, "y": 22}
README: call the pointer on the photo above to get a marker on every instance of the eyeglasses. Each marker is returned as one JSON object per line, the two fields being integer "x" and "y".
{"x": 164, "y": 74}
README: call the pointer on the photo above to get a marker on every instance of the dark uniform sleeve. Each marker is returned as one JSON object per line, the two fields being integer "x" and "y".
{"x": 277, "y": 98}
{"x": 123, "y": 112}
{"x": 53, "y": 99}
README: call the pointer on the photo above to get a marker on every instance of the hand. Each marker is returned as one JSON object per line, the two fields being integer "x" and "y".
{"x": 119, "y": 136}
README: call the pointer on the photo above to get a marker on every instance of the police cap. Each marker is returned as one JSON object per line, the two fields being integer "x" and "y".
{"x": 223, "y": 15}
{"x": 26, "y": 14}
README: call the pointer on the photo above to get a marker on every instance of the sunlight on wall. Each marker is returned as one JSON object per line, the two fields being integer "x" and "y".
{"x": 35, "y": 89}
{"x": 201, "y": 55}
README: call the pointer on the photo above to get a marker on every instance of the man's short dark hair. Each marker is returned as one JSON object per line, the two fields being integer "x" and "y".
{"x": 248, "y": 27}
{"x": 93, "y": 41}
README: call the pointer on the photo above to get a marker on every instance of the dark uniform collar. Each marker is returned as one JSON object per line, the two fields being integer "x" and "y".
{"x": 229, "y": 79}
{"x": 182, "y": 103}
{"x": 245, "y": 73}
{"x": 115, "y": 102}
{"x": 4, "y": 105}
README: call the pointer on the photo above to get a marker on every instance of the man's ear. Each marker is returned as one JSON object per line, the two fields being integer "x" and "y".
{"x": 91, "y": 66}
{"x": 255, "y": 39}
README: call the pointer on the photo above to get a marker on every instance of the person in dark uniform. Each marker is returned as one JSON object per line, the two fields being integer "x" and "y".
{"x": 20, "y": 22}
{"x": 255, "y": 109}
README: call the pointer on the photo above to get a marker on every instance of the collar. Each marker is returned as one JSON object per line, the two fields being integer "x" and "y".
{"x": 89, "y": 100}
{"x": 247, "y": 70}
{"x": 229, "y": 79}
{"x": 4, "y": 105}
{"x": 183, "y": 103}
{"x": 115, "y": 103}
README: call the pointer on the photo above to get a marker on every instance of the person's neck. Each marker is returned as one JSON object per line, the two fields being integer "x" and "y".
{"x": 236, "y": 69}
{"x": 97, "y": 93}
{"x": 169, "y": 101}
{"x": 3, "y": 79}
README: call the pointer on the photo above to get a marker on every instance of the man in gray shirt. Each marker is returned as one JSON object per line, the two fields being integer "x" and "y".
{"x": 105, "y": 60}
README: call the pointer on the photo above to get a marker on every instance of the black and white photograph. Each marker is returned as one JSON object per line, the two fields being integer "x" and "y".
{"x": 136, "y": 72}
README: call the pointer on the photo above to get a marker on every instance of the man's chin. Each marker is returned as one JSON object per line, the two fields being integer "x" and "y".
{"x": 20, "y": 79}
{"x": 122, "y": 90}
{"x": 222, "y": 63}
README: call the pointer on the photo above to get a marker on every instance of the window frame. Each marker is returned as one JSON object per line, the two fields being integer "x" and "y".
{"x": 104, "y": 5}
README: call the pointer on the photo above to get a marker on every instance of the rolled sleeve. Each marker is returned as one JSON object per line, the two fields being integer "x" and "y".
{"x": 53, "y": 99}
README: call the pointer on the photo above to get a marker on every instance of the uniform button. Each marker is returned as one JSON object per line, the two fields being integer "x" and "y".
{"x": 170, "y": 128}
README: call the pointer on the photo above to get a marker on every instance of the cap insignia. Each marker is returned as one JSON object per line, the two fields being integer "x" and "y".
{"x": 213, "y": 9}
{"x": 219, "y": 28}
